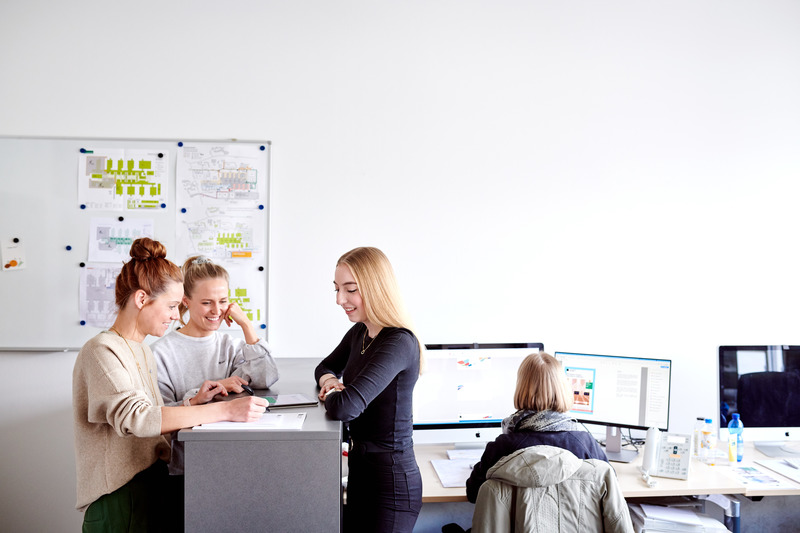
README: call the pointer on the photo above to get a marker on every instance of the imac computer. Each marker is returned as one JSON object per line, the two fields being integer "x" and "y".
{"x": 618, "y": 392}
{"x": 762, "y": 384}
{"x": 466, "y": 391}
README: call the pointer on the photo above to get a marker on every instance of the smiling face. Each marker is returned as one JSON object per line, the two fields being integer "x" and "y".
{"x": 160, "y": 312}
{"x": 207, "y": 304}
{"x": 348, "y": 295}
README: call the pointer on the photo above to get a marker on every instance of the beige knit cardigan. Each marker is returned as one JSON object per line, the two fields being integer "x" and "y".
{"x": 116, "y": 413}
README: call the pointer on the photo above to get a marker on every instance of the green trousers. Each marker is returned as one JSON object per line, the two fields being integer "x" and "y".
{"x": 143, "y": 505}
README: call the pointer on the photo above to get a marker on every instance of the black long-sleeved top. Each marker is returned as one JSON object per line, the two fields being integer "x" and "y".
{"x": 377, "y": 398}
{"x": 581, "y": 443}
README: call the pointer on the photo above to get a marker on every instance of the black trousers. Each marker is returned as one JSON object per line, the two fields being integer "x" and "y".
{"x": 384, "y": 491}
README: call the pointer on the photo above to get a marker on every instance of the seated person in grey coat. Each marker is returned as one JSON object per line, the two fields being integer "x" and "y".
{"x": 542, "y": 398}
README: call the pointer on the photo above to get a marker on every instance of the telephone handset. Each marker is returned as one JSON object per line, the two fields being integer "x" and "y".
{"x": 666, "y": 455}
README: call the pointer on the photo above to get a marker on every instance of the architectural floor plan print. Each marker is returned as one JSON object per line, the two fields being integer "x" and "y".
{"x": 122, "y": 179}
{"x": 220, "y": 233}
{"x": 209, "y": 174}
{"x": 110, "y": 239}
{"x": 97, "y": 304}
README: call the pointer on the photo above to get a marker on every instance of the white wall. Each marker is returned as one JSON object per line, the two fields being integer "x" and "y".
{"x": 614, "y": 177}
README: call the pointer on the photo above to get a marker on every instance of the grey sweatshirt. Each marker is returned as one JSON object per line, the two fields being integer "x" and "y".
{"x": 184, "y": 363}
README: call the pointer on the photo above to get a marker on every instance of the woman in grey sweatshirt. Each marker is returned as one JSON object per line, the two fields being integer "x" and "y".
{"x": 197, "y": 362}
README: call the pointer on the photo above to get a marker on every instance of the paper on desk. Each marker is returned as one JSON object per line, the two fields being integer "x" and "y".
{"x": 754, "y": 476}
{"x": 784, "y": 467}
{"x": 267, "y": 421}
{"x": 453, "y": 472}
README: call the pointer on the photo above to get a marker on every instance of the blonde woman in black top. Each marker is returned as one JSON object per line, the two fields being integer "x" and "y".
{"x": 368, "y": 382}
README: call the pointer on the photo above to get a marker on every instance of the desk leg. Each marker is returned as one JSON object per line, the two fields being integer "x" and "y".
{"x": 731, "y": 507}
{"x": 733, "y": 519}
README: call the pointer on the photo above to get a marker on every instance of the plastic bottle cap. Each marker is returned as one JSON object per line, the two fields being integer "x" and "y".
{"x": 708, "y": 420}
{"x": 736, "y": 416}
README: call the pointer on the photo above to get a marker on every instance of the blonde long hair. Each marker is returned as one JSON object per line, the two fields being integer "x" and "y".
{"x": 379, "y": 290}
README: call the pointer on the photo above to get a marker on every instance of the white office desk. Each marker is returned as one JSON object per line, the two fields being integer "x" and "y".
{"x": 751, "y": 454}
{"x": 703, "y": 479}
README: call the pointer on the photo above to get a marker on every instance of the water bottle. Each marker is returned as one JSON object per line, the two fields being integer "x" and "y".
{"x": 708, "y": 443}
{"x": 735, "y": 427}
{"x": 698, "y": 429}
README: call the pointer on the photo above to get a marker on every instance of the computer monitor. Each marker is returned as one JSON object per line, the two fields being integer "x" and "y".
{"x": 618, "y": 392}
{"x": 466, "y": 391}
{"x": 762, "y": 384}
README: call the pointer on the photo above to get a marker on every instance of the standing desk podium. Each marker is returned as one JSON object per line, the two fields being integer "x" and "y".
{"x": 267, "y": 480}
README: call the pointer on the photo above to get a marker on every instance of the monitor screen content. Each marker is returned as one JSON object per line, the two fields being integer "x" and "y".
{"x": 466, "y": 391}
{"x": 618, "y": 392}
{"x": 762, "y": 384}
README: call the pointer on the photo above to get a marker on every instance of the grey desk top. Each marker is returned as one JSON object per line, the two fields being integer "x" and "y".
{"x": 296, "y": 376}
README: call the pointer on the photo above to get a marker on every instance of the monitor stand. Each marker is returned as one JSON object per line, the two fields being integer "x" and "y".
{"x": 778, "y": 449}
{"x": 614, "y": 450}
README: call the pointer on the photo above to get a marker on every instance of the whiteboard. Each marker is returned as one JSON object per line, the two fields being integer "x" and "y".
{"x": 40, "y": 209}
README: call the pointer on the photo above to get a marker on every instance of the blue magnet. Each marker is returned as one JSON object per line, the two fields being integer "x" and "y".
{"x": 163, "y": 206}
{"x": 180, "y": 144}
{"x": 83, "y": 206}
{"x": 69, "y": 247}
{"x": 263, "y": 148}
{"x": 183, "y": 209}
{"x": 261, "y": 206}
{"x": 83, "y": 322}
{"x": 263, "y": 326}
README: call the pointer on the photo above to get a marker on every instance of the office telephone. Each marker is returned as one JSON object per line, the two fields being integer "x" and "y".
{"x": 666, "y": 455}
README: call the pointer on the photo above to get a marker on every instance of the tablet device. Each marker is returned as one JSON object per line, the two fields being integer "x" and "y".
{"x": 284, "y": 401}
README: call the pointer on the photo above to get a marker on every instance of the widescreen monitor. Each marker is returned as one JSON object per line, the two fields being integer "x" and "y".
{"x": 762, "y": 384}
{"x": 466, "y": 391}
{"x": 618, "y": 392}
